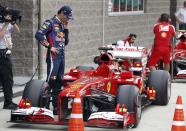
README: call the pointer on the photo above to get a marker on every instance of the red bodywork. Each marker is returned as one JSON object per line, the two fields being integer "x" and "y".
{"x": 99, "y": 88}
{"x": 105, "y": 80}
{"x": 100, "y": 79}
{"x": 179, "y": 58}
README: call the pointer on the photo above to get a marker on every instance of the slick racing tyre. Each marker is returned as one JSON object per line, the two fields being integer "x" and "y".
{"x": 105, "y": 48}
{"x": 85, "y": 68}
{"x": 129, "y": 96}
{"x": 160, "y": 80}
{"x": 37, "y": 91}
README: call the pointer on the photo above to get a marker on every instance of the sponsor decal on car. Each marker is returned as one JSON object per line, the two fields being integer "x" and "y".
{"x": 108, "y": 86}
{"x": 75, "y": 86}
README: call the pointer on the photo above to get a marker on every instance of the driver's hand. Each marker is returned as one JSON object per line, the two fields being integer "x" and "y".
{"x": 54, "y": 50}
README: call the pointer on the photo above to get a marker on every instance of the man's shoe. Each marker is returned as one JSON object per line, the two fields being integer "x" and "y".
{"x": 11, "y": 106}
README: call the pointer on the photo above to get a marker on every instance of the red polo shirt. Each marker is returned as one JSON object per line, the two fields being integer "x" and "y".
{"x": 162, "y": 42}
{"x": 163, "y": 33}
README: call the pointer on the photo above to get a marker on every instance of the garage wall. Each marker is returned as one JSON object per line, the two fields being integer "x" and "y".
{"x": 86, "y": 31}
{"x": 24, "y": 53}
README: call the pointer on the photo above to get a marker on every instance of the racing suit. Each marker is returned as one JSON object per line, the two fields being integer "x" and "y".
{"x": 53, "y": 34}
{"x": 127, "y": 42}
{"x": 161, "y": 49}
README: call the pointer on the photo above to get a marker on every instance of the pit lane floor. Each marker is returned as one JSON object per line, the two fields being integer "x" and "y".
{"x": 154, "y": 118}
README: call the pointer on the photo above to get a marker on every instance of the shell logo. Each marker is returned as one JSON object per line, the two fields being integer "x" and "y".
{"x": 163, "y": 34}
{"x": 108, "y": 86}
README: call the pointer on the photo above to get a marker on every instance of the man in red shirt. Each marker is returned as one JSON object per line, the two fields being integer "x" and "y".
{"x": 163, "y": 32}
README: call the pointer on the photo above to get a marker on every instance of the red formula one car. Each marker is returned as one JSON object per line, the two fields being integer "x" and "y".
{"x": 179, "y": 56}
{"x": 112, "y": 95}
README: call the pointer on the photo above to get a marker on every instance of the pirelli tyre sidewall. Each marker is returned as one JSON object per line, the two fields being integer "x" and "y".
{"x": 160, "y": 80}
{"x": 129, "y": 96}
{"x": 34, "y": 91}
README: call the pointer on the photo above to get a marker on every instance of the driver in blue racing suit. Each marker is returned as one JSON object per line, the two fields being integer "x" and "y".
{"x": 53, "y": 34}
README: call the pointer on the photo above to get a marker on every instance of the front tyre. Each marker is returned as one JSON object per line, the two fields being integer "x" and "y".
{"x": 38, "y": 92}
{"x": 129, "y": 96}
{"x": 160, "y": 80}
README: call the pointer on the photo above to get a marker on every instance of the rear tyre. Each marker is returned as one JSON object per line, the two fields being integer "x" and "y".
{"x": 85, "y": 68}
{"x": 105, "y": 48}
{"x": 38, "y": 92}
{"x": 160, "y": 80}
{"x": 129, "y": 96}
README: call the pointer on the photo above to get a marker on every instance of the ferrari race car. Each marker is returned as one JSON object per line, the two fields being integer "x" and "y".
{"x": 179, "y": 56}
{"x": 111, "y": 95}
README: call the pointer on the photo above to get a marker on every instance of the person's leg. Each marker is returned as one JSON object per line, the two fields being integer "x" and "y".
{"x": 58, "y": 85}
{"x": 7, "y": 83}
{"x": 57, "y": 69}
{"x": 167, "y": 67}
{"x": 166, "y": 60}
{"x": 153, "y": 60}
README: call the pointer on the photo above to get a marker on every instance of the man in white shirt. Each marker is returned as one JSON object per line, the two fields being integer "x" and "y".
{"x": 180, "y": 16}
{"x": 6, "y": 75}
{"x": 129, "y": 41}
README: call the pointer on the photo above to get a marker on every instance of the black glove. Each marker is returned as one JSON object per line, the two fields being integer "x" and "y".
{"x": 13, "y": 22}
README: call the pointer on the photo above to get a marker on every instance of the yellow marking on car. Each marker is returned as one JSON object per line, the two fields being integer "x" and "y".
{"x": 108, "y": 86}
{"x": 75, "y": 86}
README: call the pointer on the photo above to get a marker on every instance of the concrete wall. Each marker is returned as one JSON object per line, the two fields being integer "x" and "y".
{"x": 86, "y": 31}
{"x": 24, "y": 53}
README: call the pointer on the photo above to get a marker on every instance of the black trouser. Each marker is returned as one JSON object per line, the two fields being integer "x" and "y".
{"x": 6, "y": 77}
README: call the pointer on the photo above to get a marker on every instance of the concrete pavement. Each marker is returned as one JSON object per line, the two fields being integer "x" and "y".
{"x": 154, "y": 118}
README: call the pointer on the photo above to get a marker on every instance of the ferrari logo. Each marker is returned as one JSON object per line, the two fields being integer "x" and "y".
{"x": 108, "y": 86}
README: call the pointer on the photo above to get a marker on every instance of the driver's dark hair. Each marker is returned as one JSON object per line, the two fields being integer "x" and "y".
{"x": 164, "y": 17}
{"x": 132, "y": 35}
